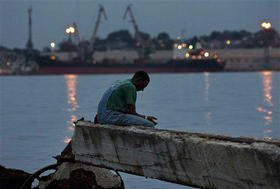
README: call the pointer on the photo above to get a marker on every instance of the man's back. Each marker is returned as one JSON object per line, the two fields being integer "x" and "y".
{"x": 124, "y": 93}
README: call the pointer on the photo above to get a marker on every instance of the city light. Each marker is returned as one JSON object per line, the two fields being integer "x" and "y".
{"x": 190, "y": 47}
{"x": 187, "y": 55}
{"x": 206, "y": 54}
{"x": 52, "y": 44}
{"x": 179, "y": 46}
{"x": 70, "y": 30}
{"x": 266, "y": 25}
{"x": 53, "y": 57}
{"x": 228, "y": 42}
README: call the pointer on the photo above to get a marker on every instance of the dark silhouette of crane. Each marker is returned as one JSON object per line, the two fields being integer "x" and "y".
{"x": 140, "y": 41}
{"x": 91, "y": 48}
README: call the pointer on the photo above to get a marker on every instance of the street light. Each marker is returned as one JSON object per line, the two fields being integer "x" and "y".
{"x": 70, "y": 31}
{"x": 267, "y": 49}
{"x": 52, "y": 44}
{"x": 266, "y": 25}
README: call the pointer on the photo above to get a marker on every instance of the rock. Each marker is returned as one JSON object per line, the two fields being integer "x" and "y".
{"x": 78, "y": 175}
{"x": 12, "y": 178}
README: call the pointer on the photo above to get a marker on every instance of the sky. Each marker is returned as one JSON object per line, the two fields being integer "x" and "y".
{"x": 195, "y": 17}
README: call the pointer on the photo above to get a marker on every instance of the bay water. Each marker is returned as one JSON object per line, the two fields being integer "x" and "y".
{"x": 37, "y": 112}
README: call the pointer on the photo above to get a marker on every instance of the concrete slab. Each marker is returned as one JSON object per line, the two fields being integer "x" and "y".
{"x": 193, "y": 159}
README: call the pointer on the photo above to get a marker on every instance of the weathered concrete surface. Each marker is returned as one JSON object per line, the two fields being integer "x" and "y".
{"x": 77, "y": 175}
{"x": 206, "y": 161}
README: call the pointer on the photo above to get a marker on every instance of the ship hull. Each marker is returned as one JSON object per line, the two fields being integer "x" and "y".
{"x": 106, "y": 70}
{"x": 172, "y": 66}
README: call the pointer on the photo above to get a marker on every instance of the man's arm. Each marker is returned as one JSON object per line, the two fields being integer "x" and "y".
{"x": 132, "y": 110}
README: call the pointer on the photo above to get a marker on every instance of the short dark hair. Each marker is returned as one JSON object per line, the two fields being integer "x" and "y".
{"x": 142, "y": 75}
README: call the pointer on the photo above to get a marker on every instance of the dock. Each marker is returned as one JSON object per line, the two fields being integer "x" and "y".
{"x": 191, "y": 159}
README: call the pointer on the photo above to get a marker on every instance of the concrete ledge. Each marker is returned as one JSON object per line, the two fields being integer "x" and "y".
{"x": 199, "y": 160}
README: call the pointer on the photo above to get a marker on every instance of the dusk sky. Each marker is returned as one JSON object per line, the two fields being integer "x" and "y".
{"x": 196, "y": 17}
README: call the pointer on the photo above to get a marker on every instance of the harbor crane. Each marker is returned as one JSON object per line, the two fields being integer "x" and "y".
{"x": 140, "y": 41}
{"x": 92, "y": 41}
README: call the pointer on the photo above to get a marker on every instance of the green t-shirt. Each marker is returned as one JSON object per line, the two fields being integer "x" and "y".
{"x": 124, "y": 94}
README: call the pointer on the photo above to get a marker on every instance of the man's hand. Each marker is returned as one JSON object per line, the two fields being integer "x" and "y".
{"x": 152, "y": 119}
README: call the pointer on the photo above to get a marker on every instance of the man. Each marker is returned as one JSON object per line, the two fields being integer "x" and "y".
{"x": 117, "y": 105}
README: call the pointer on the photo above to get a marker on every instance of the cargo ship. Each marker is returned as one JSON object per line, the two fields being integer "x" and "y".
{"x": 194, "y": 61}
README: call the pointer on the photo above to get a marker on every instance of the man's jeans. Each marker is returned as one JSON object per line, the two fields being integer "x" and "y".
{"x": 119, "y": 118}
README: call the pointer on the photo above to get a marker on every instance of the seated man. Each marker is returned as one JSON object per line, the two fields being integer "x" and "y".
{"x": 117, "y": 105}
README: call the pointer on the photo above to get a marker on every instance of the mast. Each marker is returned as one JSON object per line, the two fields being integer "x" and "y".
{"x": 29, "y": 44}
{"x": 137, "y": 33}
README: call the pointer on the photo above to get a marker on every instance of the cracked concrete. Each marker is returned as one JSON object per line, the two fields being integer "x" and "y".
{"x": 193, "y": 159}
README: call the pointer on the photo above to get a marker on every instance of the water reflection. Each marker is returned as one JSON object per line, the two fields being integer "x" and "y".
{"x": 71, "y": 83}
{"x": 207, "y": 102}
{"x": 267, "y": 105}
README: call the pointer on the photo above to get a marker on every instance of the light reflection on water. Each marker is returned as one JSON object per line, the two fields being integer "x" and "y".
{"x": 71, "y": 83}
{"x": 267, "y": 104}
{"x": 207, "y": 90}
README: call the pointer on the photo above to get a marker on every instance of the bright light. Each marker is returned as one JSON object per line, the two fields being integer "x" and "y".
{"x": 266, "y": 25}
{"x": 70, "y": 30}
{"x": 179, "y": 46}
{"x": 52, "y": 44}
{"x": 67, "y": 30}
{"x": 206, "y": 54}
{"x": 187, "y": 55}
{"x": 228, "y": 42}
{"x": 190, "y": 47}
{"x": 184, "y": 45}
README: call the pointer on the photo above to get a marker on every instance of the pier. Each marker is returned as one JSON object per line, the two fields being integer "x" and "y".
{"x": 191, "y": 159}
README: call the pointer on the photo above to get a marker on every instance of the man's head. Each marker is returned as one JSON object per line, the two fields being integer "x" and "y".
{"x": 140, "y": 80}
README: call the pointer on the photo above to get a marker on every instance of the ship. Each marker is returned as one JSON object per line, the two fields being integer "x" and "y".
{"x": 193, "y": 61}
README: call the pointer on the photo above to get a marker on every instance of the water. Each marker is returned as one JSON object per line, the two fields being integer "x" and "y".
{"x": 37, "y": 111}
